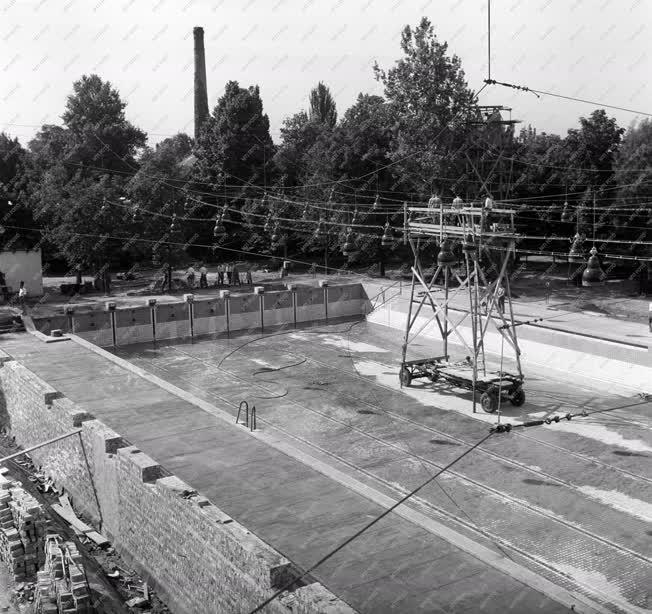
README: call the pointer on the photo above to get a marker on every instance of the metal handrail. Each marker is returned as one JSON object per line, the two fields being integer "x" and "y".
{"x": 250, "y": 424}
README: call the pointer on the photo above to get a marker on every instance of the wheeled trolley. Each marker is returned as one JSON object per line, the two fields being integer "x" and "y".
{"x": 491, "y": 387}
{"x": 424, "y": 368}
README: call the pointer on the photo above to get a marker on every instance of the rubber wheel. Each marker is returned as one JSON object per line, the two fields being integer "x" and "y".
{"x": 518, "y": 397}
{"x": 404, "y": 376}
{"x": 434, "y": 376}
{"x": 489, "y": 402}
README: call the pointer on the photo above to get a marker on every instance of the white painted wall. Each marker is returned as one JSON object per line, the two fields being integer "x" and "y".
{"x": 24, "y": 266}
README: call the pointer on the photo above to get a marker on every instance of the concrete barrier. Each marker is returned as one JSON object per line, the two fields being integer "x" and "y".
{"x": 278, "y": 308}
{"x": 209, "y": 316}
{"x": 134, "y": 325}
{"x": 94, "y": 326}
{"x": 244, "y": 312}
{"x": 310, "y": 304}
{"x": 172, "y": 321}
{"x": 46, "y": 324}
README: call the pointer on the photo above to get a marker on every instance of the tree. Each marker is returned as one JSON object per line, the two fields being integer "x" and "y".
{"x": 592, "y": 149}
{"x": 101, "y": 135}
{"x": 14, "y": 211}
{"x": 235, "y": 142}
{"x": 294, "y": 156}
{"x": 433, "y": 105}
{"x": 633, "y": 161}
{"x": 160, "y": 186}
{"x": 234, "y": 156}
{"x": 76, "y": 176}
{"x": 322, "y": 106}
{"x": 633, "y": 164}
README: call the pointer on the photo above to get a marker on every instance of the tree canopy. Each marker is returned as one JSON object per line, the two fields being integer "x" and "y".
{"x": 101, "y": 196}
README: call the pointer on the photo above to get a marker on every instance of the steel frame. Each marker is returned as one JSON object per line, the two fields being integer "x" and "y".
{"x": 482, "y": 243}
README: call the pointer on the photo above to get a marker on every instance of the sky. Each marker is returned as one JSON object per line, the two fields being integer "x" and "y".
{"x": 592, "y": 49}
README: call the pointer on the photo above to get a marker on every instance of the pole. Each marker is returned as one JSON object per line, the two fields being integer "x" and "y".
{"x": 445, "y": 331}
{"x": 473, "y": 326}
{"x": 488, "y": 39}
{"x": 40, "y": 445}
{"x": 405, "y": 222}
{"x": 508, "y": 292}
{"x": 409, "y": 317}
{"x": 480, "y": 343}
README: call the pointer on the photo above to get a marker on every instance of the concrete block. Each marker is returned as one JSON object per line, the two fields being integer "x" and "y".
{"x": 110, "y": 441}
{"x": 147, "y": 469}
{"x": 175, "y": 485}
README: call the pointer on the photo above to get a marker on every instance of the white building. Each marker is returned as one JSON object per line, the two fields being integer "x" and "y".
{"x": 23, "y": 265}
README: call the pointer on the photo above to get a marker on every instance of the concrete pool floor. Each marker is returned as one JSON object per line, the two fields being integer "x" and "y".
{"x": 570, "y": 501}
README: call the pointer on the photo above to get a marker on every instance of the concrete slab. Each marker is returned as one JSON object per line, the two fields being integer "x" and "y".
{"x": 298, "y": 510}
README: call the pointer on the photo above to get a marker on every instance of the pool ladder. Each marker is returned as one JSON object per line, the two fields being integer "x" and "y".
{"x": 251, "y": 424}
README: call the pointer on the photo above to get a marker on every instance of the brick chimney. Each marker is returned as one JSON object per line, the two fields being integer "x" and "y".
{"x": 201, "y": 94}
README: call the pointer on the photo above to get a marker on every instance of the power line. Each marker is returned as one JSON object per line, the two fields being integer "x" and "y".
{"x": 592, "y": 102}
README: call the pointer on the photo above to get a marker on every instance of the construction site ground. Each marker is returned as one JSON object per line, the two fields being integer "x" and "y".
{"x": 109, "y": 594}
{"x": 338, "y": 441}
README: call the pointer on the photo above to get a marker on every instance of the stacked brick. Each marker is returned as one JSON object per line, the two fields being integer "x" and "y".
{"x": 61, "y": 586}
{"x": 23, "y": 525}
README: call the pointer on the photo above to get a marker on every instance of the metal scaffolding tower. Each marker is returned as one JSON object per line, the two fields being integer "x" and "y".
{"x": 485, "y": 240}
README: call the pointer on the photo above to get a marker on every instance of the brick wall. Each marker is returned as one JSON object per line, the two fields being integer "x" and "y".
{"x": 199, "y": 559}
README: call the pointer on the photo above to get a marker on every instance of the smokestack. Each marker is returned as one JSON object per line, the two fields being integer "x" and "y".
{"x": 201, "y": 94}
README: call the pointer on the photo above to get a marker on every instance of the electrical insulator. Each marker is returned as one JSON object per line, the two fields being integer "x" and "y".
{"x": 469, "y": 244}
{"x": 219, "y": 231}
{"x": 387, "y": 238}
{"x": 488, "y": 203}
{"x": 173, "y": 223}
{"x": 275, "y": 237}
{"x": 268, "y": 224}
{"x": 565, "y": 213}
{"x": 318, "y": 231}
{"x": 376, "y": 204}
{"x": 304, "y": 215}
{"x": 576, "y": 253}
{"x": 354, "y": 219}
{"x": 593, "y": 274}
{"x": 458, "y": 203}
{"x": 446, "y": 257}
{"x": 347, "y": 248}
